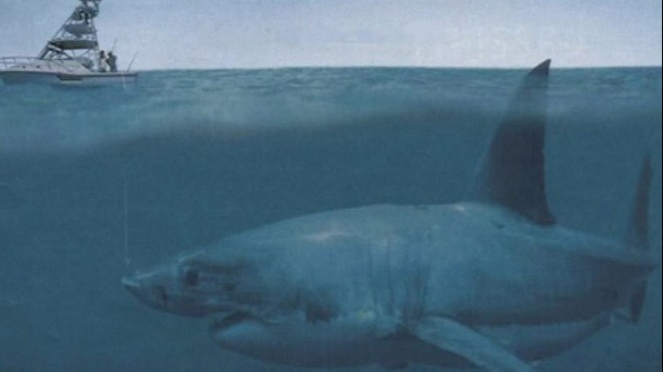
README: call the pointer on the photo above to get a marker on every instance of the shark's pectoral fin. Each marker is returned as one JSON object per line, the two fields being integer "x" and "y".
{"x": 461, "y": 340}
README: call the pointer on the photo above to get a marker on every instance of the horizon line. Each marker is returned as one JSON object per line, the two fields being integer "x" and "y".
{"x": 451, "y": 67}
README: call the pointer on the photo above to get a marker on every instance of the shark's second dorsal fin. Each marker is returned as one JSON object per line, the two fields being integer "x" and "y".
{"x": 512, "y": 172}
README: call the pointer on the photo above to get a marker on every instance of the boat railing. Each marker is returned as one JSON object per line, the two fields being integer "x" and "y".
{"x": 11, "y": 62}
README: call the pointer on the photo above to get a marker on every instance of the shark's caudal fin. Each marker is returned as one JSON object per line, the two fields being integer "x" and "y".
{"x": 638, "y": 231}
{"x": 512, "y": 171}
{"x": 637, "y": 236}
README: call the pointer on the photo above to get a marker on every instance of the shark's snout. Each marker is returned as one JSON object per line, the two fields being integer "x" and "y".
{"x": 179, "y": 288}
{"x": 130, "y": 284}
{"x": 152, "y": 288}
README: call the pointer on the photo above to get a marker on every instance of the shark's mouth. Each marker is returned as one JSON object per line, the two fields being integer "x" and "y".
{"x": 230, "y": 320}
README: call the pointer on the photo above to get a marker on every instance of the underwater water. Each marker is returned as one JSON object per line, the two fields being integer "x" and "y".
{"x": 96, "y": 182}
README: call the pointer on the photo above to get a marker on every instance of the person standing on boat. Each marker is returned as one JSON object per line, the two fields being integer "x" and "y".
{"x": 103, "y": 65}
{"x": 83, "y": 14}
{"x": 112, "y": 62}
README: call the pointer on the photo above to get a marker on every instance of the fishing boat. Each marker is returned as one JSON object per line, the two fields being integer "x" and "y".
{"x": 72, "y": 56}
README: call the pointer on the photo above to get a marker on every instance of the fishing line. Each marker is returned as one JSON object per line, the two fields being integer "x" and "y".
{"x": 127, "y": 260}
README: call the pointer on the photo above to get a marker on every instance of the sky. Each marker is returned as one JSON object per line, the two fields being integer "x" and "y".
{"x": 185, "y": 34}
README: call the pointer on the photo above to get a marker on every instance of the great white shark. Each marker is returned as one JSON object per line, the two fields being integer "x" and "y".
{"x": 492, "y": 281}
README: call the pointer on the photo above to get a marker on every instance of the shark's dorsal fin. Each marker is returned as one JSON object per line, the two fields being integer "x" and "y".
{"x": 512, "y": 172}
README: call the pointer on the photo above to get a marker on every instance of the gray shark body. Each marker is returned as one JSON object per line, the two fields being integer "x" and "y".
{"x": 491, "y": 282}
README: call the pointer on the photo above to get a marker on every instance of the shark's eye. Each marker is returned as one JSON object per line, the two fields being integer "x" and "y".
{"x": 191, "y": 277}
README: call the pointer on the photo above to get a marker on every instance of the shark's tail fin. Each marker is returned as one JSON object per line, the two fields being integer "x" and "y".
{"x": 637, "y": 236}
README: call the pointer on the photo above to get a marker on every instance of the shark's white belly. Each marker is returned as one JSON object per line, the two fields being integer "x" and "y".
{"x": 351, "y": 342}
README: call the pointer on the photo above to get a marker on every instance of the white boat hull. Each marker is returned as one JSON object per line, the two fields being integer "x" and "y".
{"x": 15, "y": 77}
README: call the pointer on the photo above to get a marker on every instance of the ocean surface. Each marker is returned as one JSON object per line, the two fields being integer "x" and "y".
{"x": 96, "y": 182}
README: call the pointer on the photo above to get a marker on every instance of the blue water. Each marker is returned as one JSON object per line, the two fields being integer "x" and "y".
{"x": 97, "y": 182}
